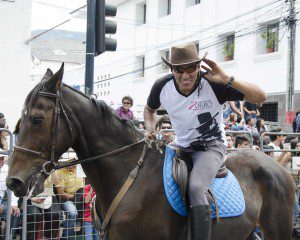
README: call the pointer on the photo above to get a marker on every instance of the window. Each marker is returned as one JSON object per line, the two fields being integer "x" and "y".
{"x": 190, "y": 3}
{"x": 226, "y": 47}
{"x": 141, "y": 66}
{"x": 267, "y": 39}
{"x": 166, "y": 55}
{"x": 107, "y": 92}
{"x": 145, "y": 13}
{"x": 108, "y": 76}
{"x": 108, "y": 84}
{"x": 164, "y": 7}
{"x": 269, "y": 112}
{"x": 141, "y": 13}
{"x": 169, "y": 7}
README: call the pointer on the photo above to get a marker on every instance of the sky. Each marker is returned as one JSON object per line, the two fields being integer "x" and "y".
{"x": 48, "y": 13}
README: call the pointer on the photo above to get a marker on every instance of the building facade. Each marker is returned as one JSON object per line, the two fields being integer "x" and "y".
{"x": 15, "y": 26}
{"x": 249, "y": 39}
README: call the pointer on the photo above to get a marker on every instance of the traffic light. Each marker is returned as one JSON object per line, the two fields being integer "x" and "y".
{"x": 103, "y": 26}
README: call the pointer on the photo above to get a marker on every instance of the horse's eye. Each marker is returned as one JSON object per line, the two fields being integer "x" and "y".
{"x": 37, "y": 120}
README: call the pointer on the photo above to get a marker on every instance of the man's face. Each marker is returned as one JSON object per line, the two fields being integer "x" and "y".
{"x": 229, "y": 141}
{"x": 167, "y": 135}
{"x": 126, "y": 104}
{"x": 186, "y": 77}
{"x": 1, "y": 161}
{"x": 252, "y": 122}
{"x": 281, "y": 138}
{"x": 245, "y": 144}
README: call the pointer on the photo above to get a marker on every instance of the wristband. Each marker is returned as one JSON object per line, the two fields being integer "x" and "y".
{"x": 231, "y": 79}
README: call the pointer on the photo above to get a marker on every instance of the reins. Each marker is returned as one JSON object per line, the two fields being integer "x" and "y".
{"x": 80, "y": 161}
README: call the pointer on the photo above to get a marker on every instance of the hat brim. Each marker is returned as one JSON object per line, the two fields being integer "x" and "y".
{"x": 182, "y": 64}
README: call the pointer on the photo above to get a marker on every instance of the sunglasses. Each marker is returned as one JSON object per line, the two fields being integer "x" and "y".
{"x": 166, "y": 127}
{"x": 126, "y": 103}
{"x": 188, "y": 69}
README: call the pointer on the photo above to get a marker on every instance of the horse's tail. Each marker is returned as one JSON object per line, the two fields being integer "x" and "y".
{"x": 277, "y": 190}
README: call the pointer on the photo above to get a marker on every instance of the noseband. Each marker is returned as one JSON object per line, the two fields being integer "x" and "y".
{"x": 48, "y": 166}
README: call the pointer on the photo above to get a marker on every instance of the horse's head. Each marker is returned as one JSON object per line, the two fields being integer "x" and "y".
{"x": 40, "y": 135}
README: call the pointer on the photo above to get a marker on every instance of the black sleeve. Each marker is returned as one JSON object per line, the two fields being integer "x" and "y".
{"x": 225, "y": 93}
{"x": 153, "y": 100}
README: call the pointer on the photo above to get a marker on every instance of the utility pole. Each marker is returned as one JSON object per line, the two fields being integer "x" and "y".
{"x": 291, "y": 23}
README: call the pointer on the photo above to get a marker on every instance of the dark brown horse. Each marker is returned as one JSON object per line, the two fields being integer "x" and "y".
{"x": 57, "y": 117}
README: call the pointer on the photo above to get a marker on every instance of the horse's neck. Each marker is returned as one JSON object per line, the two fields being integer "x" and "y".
{"x": 99, "y": 130}
{"x": 97, "y": 135}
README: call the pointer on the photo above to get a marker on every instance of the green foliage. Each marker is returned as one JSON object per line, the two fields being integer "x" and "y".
{"x": 228, "y": 51}
{"x": 271, "y": 39}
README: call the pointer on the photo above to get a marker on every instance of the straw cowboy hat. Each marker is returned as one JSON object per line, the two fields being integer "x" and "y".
{"x": 183, "y": 55}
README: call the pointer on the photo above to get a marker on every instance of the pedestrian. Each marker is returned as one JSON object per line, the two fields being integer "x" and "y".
{"x": 124, "y": 111}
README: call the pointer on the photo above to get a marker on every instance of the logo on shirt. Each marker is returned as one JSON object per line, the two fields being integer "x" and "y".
{"x": 208, "y": 128}
{"x": 200, "y": 105}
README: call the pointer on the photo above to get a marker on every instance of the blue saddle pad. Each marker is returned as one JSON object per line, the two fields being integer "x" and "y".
{"x": 229, "y": 195}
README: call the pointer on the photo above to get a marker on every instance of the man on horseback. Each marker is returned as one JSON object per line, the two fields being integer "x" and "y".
{"x": 194, "y": 101}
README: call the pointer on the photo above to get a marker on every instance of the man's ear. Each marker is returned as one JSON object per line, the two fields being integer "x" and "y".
{"x": 54, "y": 83}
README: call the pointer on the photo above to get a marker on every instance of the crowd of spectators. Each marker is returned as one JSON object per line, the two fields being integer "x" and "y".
{"x": 63, "y": 210}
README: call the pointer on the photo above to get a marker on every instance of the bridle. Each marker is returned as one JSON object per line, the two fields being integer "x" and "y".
{"x": 48, "y": 166}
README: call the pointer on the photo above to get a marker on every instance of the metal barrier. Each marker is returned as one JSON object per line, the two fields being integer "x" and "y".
{"x": 29, "y": 218}
{"x": 160, "y": 133}
{"x": 9, "y": 193}
{"x": 276, "y": 133}
{"x": 240, "y": 133}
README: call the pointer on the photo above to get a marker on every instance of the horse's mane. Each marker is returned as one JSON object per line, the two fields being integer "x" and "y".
{"x": 106, "y": 112}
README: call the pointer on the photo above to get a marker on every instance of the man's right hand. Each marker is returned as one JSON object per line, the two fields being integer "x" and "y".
{"x": 150, "y": 135}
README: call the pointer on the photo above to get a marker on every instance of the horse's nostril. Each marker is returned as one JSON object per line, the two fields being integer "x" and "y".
{"x": 15, "y": 184}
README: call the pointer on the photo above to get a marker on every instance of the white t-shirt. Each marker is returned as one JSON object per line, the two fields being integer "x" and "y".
{"x": 3, "y": 188}
{"x": 198, "y": 116}
{"x": 276, "y": 154}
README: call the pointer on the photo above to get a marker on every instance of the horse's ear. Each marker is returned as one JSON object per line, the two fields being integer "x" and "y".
{"x": 54, "y": 83}
{"x": 47, "y": 75}
{"x": 17, "y": 127}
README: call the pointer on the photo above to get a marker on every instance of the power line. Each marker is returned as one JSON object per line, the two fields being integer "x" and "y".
{"x": 205, "y": 47}
{"x": 144, "y": 69}
{"x": 168, "y": 43}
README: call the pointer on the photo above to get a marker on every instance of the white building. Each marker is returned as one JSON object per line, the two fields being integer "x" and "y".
{"x": 53, "y": 48}
{"x": 148, "y": 28}
{"x": 15, "y": 22}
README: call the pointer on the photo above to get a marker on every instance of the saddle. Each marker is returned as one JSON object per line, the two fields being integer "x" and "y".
{"x": 181, "y": 168}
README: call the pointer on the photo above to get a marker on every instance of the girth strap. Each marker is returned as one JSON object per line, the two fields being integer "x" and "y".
{"x": 121, "y": 194}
